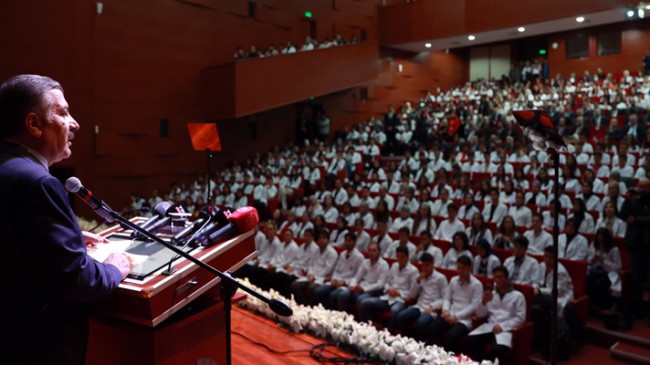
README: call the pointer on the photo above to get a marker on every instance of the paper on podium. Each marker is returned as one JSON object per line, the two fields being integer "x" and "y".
{"x": 101, "y": 251}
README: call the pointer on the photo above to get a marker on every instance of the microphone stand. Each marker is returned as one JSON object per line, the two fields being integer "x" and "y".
{"x": 229, "y": 285}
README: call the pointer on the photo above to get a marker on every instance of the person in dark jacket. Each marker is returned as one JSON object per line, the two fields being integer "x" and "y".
{"x": 48, "y": 278}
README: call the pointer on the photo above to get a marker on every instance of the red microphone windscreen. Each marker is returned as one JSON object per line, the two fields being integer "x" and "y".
{"x": 246, "y": 218}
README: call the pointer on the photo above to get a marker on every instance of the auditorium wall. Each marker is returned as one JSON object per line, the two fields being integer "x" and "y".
{"x": 635, "y": 42}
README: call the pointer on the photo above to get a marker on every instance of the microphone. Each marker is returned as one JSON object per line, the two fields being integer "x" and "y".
{"x": 153, "y": 225}
{"x": 206, "y": 213}
{"x": 242, "y": 220}
{"x": 159, "y": 212}
{"x": 73, "y": 185}
{"x": 219, "y": 220}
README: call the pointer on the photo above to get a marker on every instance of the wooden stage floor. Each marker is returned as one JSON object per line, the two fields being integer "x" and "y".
{"x": 257, "y": 340}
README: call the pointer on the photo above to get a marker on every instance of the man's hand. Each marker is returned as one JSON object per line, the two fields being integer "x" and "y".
{"x": 93, "y": 239}
{"x": 497, "y": 329}
{"x": 122, "y": 261}
{"x": 393, "y": 292}
{"x": 487, "y": 296}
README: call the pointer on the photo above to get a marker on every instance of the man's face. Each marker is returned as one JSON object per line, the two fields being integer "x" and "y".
{"x": 402, "y": 258}
{"x": 463, "y": 270}
{"x": 548, "y": 259}
{"x": 349, "y": 243}
{"x": 427, "y": 268}
{"x": 500, "y": 280}
{"x": 537, "y": 223}
{"x": 519, "y": 251}
{"x": 57, "y": 128}
{"x": 373, "y": 252}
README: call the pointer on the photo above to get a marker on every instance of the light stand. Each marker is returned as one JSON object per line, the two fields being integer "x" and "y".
{"x": 229, "y": 285}
{"x": 540, "y": 130}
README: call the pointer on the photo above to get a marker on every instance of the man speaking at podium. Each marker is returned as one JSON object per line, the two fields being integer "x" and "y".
{"x": 48, "y": 279}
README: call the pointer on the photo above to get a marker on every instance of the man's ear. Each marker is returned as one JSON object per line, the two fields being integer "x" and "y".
{"x": 33, "y": 125}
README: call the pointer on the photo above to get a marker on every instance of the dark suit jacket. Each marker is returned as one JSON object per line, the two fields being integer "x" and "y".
{"x": 48, "y": 279}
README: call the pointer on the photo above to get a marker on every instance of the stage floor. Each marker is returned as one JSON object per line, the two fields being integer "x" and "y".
{"x": 258, "y": 340}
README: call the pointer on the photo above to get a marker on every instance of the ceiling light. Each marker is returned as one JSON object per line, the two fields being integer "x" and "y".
{"x": 521, "y": 29}
{"x": 641, "y": 13}
{"x": 647, "y": 7}
{"x": 428, "y": 45}
{"x": 471, "y": 37}
{"x": 630, "y": 13}
{"x": 580, "y": 19}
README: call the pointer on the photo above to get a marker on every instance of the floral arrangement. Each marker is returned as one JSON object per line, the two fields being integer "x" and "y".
{"x": 342, "y": 327}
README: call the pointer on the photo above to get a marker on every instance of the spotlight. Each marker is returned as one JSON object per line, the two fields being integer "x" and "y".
{"x": 471, "y": 37}
{"x": 428, "y": 45}
{"x": 580, "y": 19}
{"x": 521, "y": 29}
{"x": 630, "y": 13}
{"x": 641, "y": 13}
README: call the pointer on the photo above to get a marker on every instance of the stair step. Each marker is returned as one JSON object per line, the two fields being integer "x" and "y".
{"x": 632, "y": 353}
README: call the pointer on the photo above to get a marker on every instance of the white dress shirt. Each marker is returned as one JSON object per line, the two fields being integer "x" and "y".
{"x": 371, "y": 277}
{"x": 447, "y": 229}
{"x": 430, "y": 292}
{"x": 507, "y": 312}
{"x": 462, "y": 300}
{"x": 577, "y": 249}
{"x": 400, "y": 279}
{"x": 537, "y": 242}
{"x": 525, "y": 273}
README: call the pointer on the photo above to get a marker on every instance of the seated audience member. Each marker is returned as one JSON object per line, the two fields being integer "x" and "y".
{"x": 337, "y": 237}
{"x": 505, "y": 309}
{"x": 541, "y": 311}
{"x": 345, "y": 270}
{"x": 401, "y": 278}
{"x": 469, "y": 207}
{"x": 462, "y": 298}
{"x": 426, "y": 246}
{"x": 548, "y": 217}
{"x": 506, "y": 233}
{"x": 429, "y": 291}
{"x": 382, "y": 238}
{"x": 583, "y": 218}
{"x": 424, "y": 221}
{"x": 439, "y": 207}
{"x": 282, "y": 279}
{"x": 459, "y": 247}
{"x": 402, "y": 241}
{"x": 609, "y": 220}
{"x": 590, "y": 200}
{"x": 304, "y": 224}
{"x": 520, "y": 212}
{"x": 265, "y": 246}
{"x": 536, "y": 195}
{"x": 451, "y": 225}
{"x": 368, "y": 282}
{"x": 603, "y": 277}
{"x": 284, "y": 253}
{"x": 330, "y": 213}
{"x": 495, "y": 210}
{"x": 571, "y": 244}
{"x": 478, "y": 230}
{"x": 485, "y": 261}
{"x": 537, "y": 237}
{"x": 365, "y": 214}
{"x": 613, "y": 195}
{"x": 363, "y": 238}
{"x": 320, "y": 268}
{"x": 522, "y": 268}
{"x": 404, "y": 220}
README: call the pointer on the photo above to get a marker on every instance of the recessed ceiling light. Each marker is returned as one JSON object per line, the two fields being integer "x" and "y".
{"x": 580, "y": 19}
{"x": 630, "y": 13}
{"x": 647, "y": 7}
{"x": 428, "y": 45}
{"x": 471, "y": 37}
{"x": 521, "y": 29}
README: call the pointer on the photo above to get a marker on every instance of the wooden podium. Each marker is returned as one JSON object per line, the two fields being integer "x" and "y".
{"x": 169, "y": 319}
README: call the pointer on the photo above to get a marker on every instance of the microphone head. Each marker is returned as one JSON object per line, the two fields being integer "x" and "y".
{"x": 246, "y": 218}
{"x": 162, "y": 208}
{"x": 280, "y": 308}
{"x": 73, "y": 185}
{"x": 208, "y": 211}
{"x": 223, "y": 216}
